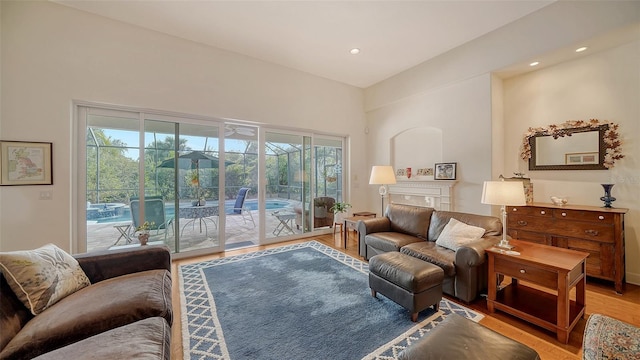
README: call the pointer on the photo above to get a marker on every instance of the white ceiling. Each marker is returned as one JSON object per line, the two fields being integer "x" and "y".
{"x": 316, "y": 36}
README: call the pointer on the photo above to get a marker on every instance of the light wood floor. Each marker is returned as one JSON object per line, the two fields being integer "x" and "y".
{"x": 601, "y": 298}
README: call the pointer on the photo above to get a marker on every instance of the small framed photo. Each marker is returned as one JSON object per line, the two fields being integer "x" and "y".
{"x": 25, "y": 163}
{"x": 445, "y": 171}
{"x": 425, "y": 172}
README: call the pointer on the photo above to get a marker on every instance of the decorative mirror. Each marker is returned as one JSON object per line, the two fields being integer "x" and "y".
{"x": 573, "y": 145}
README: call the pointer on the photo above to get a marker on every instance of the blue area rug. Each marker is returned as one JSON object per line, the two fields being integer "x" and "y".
{"x": 303, "y": 301}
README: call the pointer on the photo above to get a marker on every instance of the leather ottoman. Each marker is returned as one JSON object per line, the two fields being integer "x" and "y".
{"x": 462, "y": 339}
{"x": 410, "y": 282}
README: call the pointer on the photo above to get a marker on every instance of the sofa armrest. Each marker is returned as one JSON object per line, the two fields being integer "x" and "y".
{"x": 373, "y": 225}
{"x": 369, "y": 226}
{"x": 106, "y": 264}
{"x": 473, "y": 254}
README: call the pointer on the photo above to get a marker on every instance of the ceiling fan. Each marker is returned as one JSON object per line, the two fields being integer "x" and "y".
{"x": 240, "y": 130}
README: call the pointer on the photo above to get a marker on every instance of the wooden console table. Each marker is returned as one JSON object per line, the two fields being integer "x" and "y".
{"x": 547, "y": 266}
{"x": 596, "y": 230}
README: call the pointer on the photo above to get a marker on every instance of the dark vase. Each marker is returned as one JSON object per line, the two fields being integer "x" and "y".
{"x": 607, "y": 198}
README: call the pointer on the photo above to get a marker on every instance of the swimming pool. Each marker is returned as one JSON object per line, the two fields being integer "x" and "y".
{"x": 124, "y": 213}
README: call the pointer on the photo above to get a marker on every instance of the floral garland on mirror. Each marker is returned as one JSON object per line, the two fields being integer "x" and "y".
{"x": 612, "y": 140}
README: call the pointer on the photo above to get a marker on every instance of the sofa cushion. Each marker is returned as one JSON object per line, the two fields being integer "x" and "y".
{"x": 491, "y": 224}
{"x": 97, "y": 308}
{"x": 430, "y": 252}
{"x": 389, "y": 241}
{"x": 144, "y": 339}
{"x": 457, "y": 233}
{"x": 412, "y": 220}
{"x": 43, "y": 276}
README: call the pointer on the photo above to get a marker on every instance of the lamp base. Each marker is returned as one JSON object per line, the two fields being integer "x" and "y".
{"x": 504, "y": 244}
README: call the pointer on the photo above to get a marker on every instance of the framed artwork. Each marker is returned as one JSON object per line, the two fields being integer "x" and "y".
{"x": 581, "y": 158}
{"x": 445, "y": 171}
{"x": 425, "y": 172}
{"x": 25, "y": 163}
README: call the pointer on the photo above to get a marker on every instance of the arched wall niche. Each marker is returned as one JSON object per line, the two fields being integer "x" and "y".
{"x": 418, "y": 147}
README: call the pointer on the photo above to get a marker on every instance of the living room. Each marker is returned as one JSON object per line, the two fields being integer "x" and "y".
{"x": 53, "y": 54}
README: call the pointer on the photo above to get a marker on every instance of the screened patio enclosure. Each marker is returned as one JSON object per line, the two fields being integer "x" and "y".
{"x": 198, "y": 170}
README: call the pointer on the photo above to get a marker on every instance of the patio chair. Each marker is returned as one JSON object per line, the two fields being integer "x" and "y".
{"x": 154, "y": 213}
{"x": 240, "y": 209}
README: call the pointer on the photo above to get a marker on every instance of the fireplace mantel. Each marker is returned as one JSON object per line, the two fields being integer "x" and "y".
{"x": 437, "y": 194}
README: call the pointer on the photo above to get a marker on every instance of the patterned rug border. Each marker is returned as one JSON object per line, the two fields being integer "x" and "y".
{"x": 197, "y": 301}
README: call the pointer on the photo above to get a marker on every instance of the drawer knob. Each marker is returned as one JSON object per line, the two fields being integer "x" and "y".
{"x": 601, "y": 217}
{"x": 591, "y": 232}
{"x": 542, "y": 212}
{"x": 522, "y": 222}
{"x": 522, "y": 271}
{"x": 564, "y": 214}
{"x": 515, "y": 209}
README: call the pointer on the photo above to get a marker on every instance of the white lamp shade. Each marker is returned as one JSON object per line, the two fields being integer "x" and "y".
{"x": 503, "y": 193}
{"x": 382, "y": 175}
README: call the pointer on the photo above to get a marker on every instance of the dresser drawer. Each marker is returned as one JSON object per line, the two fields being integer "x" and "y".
{"x": 583, "y": 230}
{"x": 533, "y": 274}
{"x": 530, "y": 236}
{"x": 527, "y": 222}
{"x": 590, "y": 216}
{"x": 529, "y": 210}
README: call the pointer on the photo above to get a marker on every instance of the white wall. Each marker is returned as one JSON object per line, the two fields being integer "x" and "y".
{"x": 462, "y": 112}
{"x": 52, "y": 54}
{"x": 605, "y": 86}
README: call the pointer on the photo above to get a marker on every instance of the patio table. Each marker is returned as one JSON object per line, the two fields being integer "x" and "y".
{"x": 285, "y": 219}
{"x": 200, "y": 213}
{"x": 124, "y": 233}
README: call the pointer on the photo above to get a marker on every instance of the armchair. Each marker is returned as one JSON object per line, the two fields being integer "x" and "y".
{"x": 322, "y": 215}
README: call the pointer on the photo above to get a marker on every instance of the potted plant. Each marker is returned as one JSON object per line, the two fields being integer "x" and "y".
{"x": 142, "y": 232}
{"x": 339, "y": 210}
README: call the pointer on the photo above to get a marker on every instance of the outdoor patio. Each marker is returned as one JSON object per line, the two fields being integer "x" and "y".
{"x": 102, "y": 236}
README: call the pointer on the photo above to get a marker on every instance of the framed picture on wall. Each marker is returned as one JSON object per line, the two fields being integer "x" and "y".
{"x": 25, "y": 163}
{"x": 445, "y": 171}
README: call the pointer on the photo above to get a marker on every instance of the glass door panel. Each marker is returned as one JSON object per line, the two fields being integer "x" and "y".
{"x": 241, "y": 186}
{"x": 182, "y": 167}
{"x": 284, "y": 215}
{"x": 112, "y": 176}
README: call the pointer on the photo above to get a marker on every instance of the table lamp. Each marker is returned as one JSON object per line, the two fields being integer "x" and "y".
{"x": 382, "y": 175}
{"x": 503, "y": 193}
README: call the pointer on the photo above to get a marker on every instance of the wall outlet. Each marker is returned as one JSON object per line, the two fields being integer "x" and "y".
{"x": 46, "y": 195}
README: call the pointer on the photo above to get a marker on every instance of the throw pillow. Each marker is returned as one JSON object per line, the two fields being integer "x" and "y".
{"x": 43, "y": 276}
{"x": 456, "y": 234}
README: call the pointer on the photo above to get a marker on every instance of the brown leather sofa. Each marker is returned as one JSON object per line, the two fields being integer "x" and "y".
{"x": 459, "y": 338}
{"x": 414, "y": 230}
{"x": 322, "y": 215}
{"x": 124, "y": 314}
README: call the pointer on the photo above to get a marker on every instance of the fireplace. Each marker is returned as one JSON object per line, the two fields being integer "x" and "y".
{"x": 437, "y": 194}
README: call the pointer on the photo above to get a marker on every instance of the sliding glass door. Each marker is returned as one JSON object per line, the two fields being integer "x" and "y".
{"x": 201, "y": 185}
{"x": 172, "y": 193}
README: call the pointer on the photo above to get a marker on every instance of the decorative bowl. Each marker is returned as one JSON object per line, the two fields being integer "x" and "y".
{"x": 559, "y": 201}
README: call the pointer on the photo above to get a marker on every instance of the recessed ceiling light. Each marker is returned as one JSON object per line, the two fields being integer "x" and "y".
{"x": 581, "y": 49}
{"x": 354, "y": 51}
{"x": 534, "y": 63}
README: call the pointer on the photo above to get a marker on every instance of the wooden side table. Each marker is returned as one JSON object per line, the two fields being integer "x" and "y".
{"x": 352, "y": 223}
{"x": 551, "y": 267}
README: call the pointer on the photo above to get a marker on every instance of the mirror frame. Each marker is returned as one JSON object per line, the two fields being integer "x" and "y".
{"x": 602, "y": 149}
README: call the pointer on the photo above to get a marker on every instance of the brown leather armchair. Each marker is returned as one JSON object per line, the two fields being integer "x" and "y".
{"x": 322, "y": 215}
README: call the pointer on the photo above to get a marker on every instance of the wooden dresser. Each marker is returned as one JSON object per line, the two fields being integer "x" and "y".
{"x": 596, "y": 230}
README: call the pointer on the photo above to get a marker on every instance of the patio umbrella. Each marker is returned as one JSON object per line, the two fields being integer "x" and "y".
{"x": 194, "y": 164}
{"x": 194, "y": 157}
